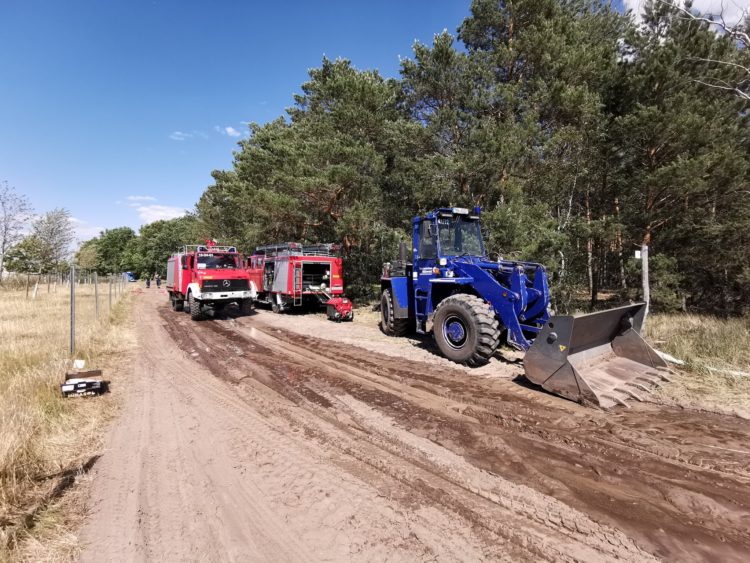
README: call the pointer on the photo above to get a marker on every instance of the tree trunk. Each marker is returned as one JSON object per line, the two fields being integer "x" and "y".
{"x": 590, "y": 253}
{"x": 644, "y": 277}
{"x": 618, "y": 246}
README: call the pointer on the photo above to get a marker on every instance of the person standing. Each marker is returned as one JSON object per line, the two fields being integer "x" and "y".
{"x": 157, "y": 277}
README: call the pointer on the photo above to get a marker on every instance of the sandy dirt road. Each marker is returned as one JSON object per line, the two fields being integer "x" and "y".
{"x": 248, "y": 439}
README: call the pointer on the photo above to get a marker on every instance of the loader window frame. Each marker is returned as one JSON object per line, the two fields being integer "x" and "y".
{"x": 459, "y": 236}
{"x": 428, "y": 249}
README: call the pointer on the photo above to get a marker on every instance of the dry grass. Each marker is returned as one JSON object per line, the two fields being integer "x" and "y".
{"x": 45, "y": 439}
{"x": 716, "y": 374}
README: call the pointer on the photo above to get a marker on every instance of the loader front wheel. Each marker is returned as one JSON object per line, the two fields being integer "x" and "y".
{"x": 388, "y": 323}
{"x": 196, "y": 311}
{"x": 466, "y": 329}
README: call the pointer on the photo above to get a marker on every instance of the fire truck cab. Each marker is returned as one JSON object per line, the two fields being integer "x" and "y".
{"x": 201, "y": 276}
{"x": 290, "y": 275}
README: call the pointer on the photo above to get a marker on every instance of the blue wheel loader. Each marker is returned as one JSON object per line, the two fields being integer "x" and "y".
{"x": 448, "y": 285}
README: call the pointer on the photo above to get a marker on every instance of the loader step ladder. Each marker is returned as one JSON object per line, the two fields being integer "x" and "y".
{"x": 297, "y": 284}
{"x": 420, "y": 312}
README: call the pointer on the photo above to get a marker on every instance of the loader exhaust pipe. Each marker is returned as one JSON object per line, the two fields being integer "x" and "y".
{"x": 599, "y": 358}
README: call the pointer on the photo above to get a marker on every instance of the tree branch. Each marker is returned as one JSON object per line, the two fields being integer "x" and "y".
{"x": 740, "y": 93}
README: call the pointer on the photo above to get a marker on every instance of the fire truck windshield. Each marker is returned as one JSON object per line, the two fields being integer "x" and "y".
{"x": 210, "y": 261}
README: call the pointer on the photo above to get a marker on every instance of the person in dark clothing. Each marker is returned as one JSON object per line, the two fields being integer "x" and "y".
{"x": 158, "y": 280}
{"x": 148, "y": 282}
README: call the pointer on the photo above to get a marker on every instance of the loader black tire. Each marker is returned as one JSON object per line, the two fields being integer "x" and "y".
{"x": 466, "y": 329}
{"x": 388, "y": 324}
{"x": 196, "y": 311}
{"x": 246, "y": 306}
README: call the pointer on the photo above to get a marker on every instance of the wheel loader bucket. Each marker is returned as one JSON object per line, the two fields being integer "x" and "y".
{"x": 598, "y": 358}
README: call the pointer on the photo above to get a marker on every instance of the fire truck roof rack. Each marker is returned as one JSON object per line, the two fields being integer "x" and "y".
{"x": 297, "y": 249}
{"x": 205, "y": 248}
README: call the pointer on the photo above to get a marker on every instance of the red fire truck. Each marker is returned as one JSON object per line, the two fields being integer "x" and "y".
{"x": 290, "y": 274}
{"x": 201, "y": 276}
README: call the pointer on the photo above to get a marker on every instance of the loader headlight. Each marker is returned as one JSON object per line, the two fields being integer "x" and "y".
{"x": 449, "y": 274}
{"x": 436, "y": 271}
{"x": 443, "y": 262}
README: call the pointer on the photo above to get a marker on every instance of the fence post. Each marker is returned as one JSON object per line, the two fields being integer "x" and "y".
{"x": 36, "y": 287}
{"x": 27, "y": 285}
{"x": 96, "y": 293}
{"x": 110, "y": 292}
{"x": 72, "y": 311}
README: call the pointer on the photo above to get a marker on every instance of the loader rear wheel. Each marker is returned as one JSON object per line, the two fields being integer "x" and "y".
{"x": 196, "y": 311}
{"x": 388, "y": 324}
{"x": 466, "y": 329}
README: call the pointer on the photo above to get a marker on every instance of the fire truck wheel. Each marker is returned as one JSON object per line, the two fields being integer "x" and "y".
{"x": 196, "y": 313}
{"x": 246, "y": 306}
{"x": 177, "y": 304}
{"x": 276, "y": 308}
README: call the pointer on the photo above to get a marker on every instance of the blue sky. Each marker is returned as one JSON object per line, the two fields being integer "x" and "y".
{"x": 120, "y": 109}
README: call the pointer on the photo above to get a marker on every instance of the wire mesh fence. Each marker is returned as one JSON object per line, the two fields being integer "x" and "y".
{"x": 71, "y": 303}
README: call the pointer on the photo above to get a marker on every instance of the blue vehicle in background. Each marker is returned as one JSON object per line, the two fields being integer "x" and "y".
{"x": 130, "y": 276}
{"x": 448, "y": 285}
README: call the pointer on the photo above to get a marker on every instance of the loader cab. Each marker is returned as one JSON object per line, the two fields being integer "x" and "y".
{"x": 447, "y": 233}
{"x": 439, "y": 238}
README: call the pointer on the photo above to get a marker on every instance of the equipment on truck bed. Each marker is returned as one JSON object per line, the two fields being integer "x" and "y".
{"x": 292, "y": 274}
{"x": 208, "y": 275}
{"x": 450, "y": 286}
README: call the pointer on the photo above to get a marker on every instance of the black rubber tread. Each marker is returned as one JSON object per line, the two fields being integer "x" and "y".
{"x": 482, "y": 324}
{"x": 246, "y": 306}
{"x": 177, "y": 304}
{"x": 195, "y": 308}
{"x": 389, "y": 325}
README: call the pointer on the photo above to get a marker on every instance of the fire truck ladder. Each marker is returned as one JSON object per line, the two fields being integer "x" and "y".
{"x": 297, "y": 284}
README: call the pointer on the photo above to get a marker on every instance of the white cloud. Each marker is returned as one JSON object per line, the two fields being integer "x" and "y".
{"x": 184, "y": 136}
{"x": 140, "y": 198}
{"x": 155, "y": 212}
{"x": 732, "y": 10}
{"x": 228, "y": 131}
{"x": 180, "y": 136}
{"x": 84, "y": 230}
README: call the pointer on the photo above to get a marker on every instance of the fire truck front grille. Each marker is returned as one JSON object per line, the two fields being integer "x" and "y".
{"x": 225, "y": 285}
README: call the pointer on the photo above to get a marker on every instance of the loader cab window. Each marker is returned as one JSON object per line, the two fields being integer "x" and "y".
{"x": 427, "y": 246}
{"x": 184, "y": 262}
{"x": 210, "y": 261}
{"x": 460, "y": 236}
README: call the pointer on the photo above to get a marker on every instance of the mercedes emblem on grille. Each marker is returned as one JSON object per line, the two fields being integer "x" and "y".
{"x": 225, "y": 283}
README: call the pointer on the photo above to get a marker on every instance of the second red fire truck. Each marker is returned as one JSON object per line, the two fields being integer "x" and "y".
{"x": 292, "y": 275}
